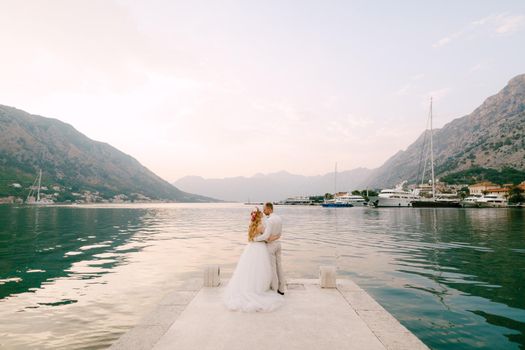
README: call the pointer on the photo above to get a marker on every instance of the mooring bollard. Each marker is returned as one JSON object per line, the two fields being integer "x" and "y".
{"x": 212, "y": 276}
{"x": 327, "y": 277}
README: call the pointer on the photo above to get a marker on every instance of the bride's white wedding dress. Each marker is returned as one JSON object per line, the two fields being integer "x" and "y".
{"x": 249, "y": 287}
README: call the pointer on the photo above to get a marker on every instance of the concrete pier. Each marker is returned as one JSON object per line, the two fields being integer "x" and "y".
{"x": 345, "y": 317}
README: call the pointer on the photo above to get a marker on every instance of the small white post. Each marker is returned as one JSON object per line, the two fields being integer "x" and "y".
{"x": 212, "y": 276}
{"x": 327, "y": 277}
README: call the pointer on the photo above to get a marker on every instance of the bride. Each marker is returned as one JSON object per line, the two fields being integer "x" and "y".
{"x": 249, "y": 287}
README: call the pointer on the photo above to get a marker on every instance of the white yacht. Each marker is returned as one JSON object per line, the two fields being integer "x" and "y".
{"x": 396, "y": 197}
{"x": 355, "y": 200}
{"x": 492, "y": 201}
{"x": 298, "y": 200}
{"x": 336, "y": 203}
{"x": 470, "y": 202}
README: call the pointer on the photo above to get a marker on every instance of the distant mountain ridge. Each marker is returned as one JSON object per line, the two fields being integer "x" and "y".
{"x": 271, "y": 187}
{"x": 492, "y": 136}
{"x": 69, "y": 158}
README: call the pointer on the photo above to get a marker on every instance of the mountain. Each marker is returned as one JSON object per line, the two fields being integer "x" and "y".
{"x": 71, "y": 160}
{"x": 492, "y": 136}
{"x": 272, "y": 187}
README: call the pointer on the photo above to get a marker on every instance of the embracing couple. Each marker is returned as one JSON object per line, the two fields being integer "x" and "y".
{"x": 257, "y": 284}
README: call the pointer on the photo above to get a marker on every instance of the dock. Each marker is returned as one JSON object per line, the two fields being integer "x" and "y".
{"x": 322, "y": 313}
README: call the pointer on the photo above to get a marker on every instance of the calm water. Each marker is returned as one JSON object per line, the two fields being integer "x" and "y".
{"x": 78, "y": 277}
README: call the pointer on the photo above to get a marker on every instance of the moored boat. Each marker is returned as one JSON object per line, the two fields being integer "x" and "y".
{"x": 340, "y": 200}
{"x": 436, "y": 203}
{"x": 516, "y": 205}
{"x": 353, "y": 199}
{"x": 396, "y": 197}
{"x": 469, "y": 202}
{"x": 31, "y": 196}
{"x": 492, "y": 201}
{"x": 299, "y": 200}
{"x": 444, "y": 200}
{"x": 336, "y": 204}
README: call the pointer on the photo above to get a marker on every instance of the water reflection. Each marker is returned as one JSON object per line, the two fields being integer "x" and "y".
{"x": 460, "y": 259}
{"x": 38, "y": 244}
{"x": 79, "y": 277}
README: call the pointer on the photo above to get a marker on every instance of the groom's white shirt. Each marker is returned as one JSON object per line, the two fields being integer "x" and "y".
{"x": 273, "y": 225}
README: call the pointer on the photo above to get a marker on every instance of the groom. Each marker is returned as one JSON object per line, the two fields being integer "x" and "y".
{"x": 271, "y": 234}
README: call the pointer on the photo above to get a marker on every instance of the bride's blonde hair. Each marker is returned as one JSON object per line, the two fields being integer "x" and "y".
{"x": 255, "y": 222}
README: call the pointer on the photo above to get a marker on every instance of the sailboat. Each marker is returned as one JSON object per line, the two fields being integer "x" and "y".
{"x": 31, "y": 196}
{"x": 434, "y": 202}
{"x": 337, "y": 202}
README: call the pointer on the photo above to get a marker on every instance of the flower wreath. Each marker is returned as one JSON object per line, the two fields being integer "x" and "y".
{"x": 254, "y": 214}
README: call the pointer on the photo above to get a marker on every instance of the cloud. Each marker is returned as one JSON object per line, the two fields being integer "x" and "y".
{"x": 442, "y": 42}
{"x": 509, "y": 24}
{"x": 446, "y": 40}
{"x": 498, "y": 24}
{"x": 477, "y": 67}
{"x": 404, "y": 90}
{"x": 502, "y": 23}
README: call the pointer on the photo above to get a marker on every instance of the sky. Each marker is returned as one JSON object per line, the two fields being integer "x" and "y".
{"x": 234, "y": 88}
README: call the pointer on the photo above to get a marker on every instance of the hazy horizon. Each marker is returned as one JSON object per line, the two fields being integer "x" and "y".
{"x": 234, "y": 89}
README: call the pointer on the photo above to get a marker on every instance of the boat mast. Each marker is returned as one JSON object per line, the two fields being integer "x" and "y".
{"x": 335, "y": 180}
{"x": 39, "y": 182}
{"x": 432, "y": 154}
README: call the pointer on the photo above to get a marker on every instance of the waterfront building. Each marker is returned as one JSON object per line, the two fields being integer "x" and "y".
{"x": 479, "y": 188}
{"x": 498, "y": 191}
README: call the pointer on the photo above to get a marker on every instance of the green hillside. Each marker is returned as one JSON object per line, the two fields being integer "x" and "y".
{"x": 72, "y": 163}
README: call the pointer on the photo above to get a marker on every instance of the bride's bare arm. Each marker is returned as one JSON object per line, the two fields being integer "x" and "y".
{"x": 273, "y": 238}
